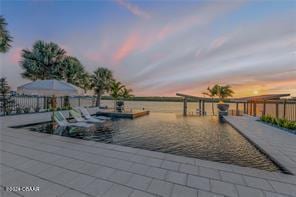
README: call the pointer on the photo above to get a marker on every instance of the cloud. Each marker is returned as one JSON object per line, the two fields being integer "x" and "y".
{"x": 134, "y": 9}
{"x": 126, "y": 48}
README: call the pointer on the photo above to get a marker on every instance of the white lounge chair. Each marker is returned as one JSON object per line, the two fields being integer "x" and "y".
{"x": 77, "y": 116}
{"x": 87, "y": 116}
{"x": 62, "y": 121}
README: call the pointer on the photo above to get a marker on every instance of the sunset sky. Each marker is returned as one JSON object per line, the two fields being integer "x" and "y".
{"x": 159, "y": 48}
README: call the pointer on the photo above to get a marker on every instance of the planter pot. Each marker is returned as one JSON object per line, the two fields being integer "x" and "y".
{"x": 119, "y": 106}
{"x": 223, "y": 107}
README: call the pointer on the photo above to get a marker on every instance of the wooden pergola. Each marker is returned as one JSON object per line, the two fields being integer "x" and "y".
{"x": 248, "y": 102}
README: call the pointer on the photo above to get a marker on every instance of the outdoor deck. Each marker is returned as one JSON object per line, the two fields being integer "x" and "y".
{"x": 131, "y": 115}
{"x": 63, "y": 166}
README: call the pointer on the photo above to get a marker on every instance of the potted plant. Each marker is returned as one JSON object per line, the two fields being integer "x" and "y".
{"x": 223, "y": 92}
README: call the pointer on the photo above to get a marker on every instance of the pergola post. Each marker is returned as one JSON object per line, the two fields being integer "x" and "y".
{"x": 236, "y": 113}
{"x": 247, "y": 108}
{"x": 254, "y": 109}
{"x": 199, "y": 105}
{"x": 203, "y": 108}
{"x": 185, "y": 107}
{"x": 251, "y": 108}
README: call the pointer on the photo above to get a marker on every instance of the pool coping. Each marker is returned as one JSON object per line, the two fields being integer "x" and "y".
{"x": 260, "y": 149}
{"x": 245, "y": 126}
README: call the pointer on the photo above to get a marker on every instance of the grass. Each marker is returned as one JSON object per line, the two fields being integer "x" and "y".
{"x": 280, "y": 122}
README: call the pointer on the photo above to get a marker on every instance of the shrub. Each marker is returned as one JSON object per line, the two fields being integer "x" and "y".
{"x": 280, "y": 122}
{"x": 27, "y": 109}
{"x": 18, "y": 110}
{"x": 37, "y": 109}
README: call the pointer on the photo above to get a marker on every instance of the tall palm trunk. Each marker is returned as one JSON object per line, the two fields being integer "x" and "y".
{"x": 213, "y": 107}
{"x": 98, "y": 101}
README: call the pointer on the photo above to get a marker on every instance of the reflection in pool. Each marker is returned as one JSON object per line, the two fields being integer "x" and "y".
{"x": 198, "y": 137}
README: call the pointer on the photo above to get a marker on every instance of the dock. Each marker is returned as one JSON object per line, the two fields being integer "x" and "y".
{"x": 130, "y": 115}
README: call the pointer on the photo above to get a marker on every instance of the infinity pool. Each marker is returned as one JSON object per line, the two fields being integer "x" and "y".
{"x": 198, "y": 137}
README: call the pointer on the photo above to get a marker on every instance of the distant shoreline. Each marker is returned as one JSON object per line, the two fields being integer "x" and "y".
{"x": 148, "y": 98}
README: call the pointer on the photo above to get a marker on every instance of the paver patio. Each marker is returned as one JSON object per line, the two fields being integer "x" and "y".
{"x": 63, "y": 166}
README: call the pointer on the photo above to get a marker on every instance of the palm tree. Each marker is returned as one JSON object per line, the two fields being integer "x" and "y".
{"x": 211, "y": 92}
{"x": 85, "y": 82}
{"x": 44, "y": 61}
{"x": 5, "y": 38}
{"x": 126, "y": 93}
{"x": 72, "y": 70}
{"x": 116, "y": 91}
{"x": 101, "y": 81}
{"x": 224, "y": 92}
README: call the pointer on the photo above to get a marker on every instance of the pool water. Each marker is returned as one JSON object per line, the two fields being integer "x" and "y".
{"x": 199, "y": 137}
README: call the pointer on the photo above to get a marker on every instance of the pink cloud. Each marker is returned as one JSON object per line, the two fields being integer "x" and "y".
{"x": 126, "y": 48}
{"x": 218, "y": 42}
{"x": 134, "y": 9}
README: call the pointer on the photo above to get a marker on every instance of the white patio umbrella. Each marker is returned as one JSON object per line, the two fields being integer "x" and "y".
{"x": 50, "y": 88}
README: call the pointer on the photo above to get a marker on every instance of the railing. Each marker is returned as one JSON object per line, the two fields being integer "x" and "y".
{"x": 285, "y": 109}
{"x": 27, "y": 104}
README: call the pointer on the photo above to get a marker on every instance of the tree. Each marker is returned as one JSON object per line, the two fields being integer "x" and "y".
{"x": 85, "y": 82}
{"x": 224, "y": 92}
{"x": 126, "y": 93}
{"x": 72, "y": 70}
{"x": 101, "y": 81}
{"x": 211, "y": 92}
{"x": 6, "y": 99}
{"x": 116, "y": 91}
{"x": 44, "y": 61}
{"x": 221, "y": 92}
{"x": 5, "y": 38}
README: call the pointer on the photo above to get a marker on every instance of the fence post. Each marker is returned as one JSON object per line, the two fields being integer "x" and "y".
{"x": 264, "y": 108}
{"x": 38, "y": 107}
{"x": 79, "y": 101}
{"x": 284, "y": 109}
{"x": 276, "y": 110}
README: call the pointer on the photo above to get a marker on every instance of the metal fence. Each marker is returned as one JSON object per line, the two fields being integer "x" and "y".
{"x": 285, "y": 109}
{"x": 27, "y": 104}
